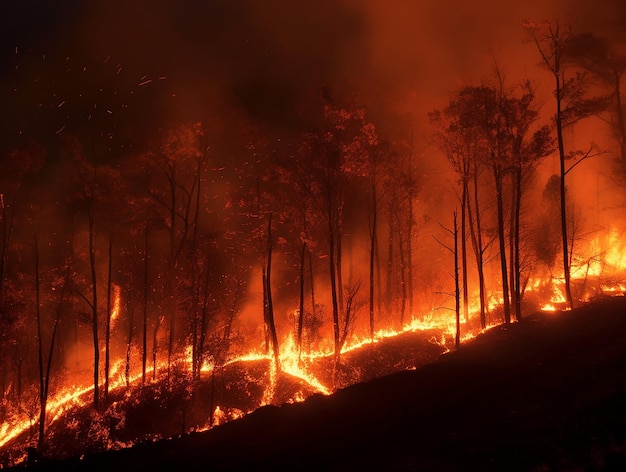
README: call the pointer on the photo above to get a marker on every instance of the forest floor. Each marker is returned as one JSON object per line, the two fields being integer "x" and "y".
{"x": 547, "y": 393}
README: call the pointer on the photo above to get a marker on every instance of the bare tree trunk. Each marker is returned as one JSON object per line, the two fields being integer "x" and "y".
{"x": 477, "y": 242}
{"x": 410, "y": 234}
{"x": 390, "y": 256}
{"x": 155, "y": 347}
{"x": 171, "y": 278}
{"x": 457, "y": 293}
{"x": 107, "y": 333}
{"x": 312, "y": 283}
{"x": 144, "y": 351}
{"x": 561, "y": 146}
{"x": 402, "y": 278}
{"x": 301, "y": 305}
{"x": 268, "y": 290}
{"x": 501, "y": 239}
{"x": 464, "y": 199}
{"x": 194, "y": 317}
{"x": 45, "y": 377}
{"x": 516, "y": 252}
{"x": 42, "y": 393}
{"x": 372, "y": 253}
{"x": 338, "y": 263}
{"x": 94, "y": 308}
{"x": 379, "y": 278}
{"x": 129, "y": 338}
{"x": 333, "y": 282}
{"x": 512, "y": 265}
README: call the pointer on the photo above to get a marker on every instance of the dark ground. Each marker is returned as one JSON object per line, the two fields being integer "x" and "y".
{"x": 545, "y": 394}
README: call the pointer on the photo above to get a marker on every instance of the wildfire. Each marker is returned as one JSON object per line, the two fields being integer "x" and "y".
{"x": 298, "y": 364}
{"x": 604, "y": 255}
{"x": 291, "y": 362}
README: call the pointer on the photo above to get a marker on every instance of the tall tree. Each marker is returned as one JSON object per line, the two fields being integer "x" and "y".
{"x": 552, "y": 40}
{"x": 303, "y": 222}
{"x": 598, "y": 56}
{"x": 59, "y": 282}
{"x": 454, "y": 250}
{"x": 179, "y": 162}
{"x": 336, "y": 149}
{"x": 257, "y": 199}
{"x": 462, "y": 133}
{"x": 527, "y": 147}
{"x": 456, "y": 135}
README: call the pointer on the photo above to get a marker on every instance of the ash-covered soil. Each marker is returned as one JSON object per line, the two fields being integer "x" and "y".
{"x": 548, "y": 393}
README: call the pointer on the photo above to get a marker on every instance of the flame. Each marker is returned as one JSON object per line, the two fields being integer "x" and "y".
{"x": 115, "y": 310}
{"x": 604, "y": 258}
{"x": 293, "y": 365}
{"x": 604, "y": 254}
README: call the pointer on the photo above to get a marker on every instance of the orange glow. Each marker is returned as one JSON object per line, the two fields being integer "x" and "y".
{"x": 608, "y": 268}
{"x": 115, "y": 310}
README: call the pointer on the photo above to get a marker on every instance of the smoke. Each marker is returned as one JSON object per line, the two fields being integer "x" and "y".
{"x": 263, "y": 55}
{"x": 403, "y": 58}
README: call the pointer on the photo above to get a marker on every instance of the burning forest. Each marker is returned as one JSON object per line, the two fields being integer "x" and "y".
{"x": 205, "y": 209}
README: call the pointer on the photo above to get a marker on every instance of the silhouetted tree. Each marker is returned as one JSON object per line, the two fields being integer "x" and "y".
{"x": 598, "y": 56}
{"x": 459, "y": 138}
{"x": 336, "y": 151}
{"x": 552, "y": 41}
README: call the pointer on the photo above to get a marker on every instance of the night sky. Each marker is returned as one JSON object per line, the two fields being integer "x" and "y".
{"x": 401, "y": 56}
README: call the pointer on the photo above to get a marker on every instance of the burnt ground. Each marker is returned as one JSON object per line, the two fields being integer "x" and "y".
{"x": 548, "y": 393}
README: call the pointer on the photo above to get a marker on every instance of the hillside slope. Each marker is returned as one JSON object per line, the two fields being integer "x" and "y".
{"x": 548, "y": 393}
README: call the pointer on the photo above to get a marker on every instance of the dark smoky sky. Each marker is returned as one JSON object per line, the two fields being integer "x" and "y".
{"x": 402, "y": 56}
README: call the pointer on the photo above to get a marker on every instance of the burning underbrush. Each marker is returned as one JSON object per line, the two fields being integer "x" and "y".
{"x": 172, "y": 402}
{"x": 170, "y": 407}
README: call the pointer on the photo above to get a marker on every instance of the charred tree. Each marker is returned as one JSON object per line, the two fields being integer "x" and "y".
{"x": 131, "y": 329}
{"x": 107, "y": 332}
{"x": 270, "y": 323}
{"x": 571, "y": 105}
{"x": 373, "y": 245}
{"x": 333, "y": 277}
{"x": 94, "y": 308}
{"x": 300, "y": 321}
{"x": 499, "y": 180}
{"x": 43, "y": 397}
{"x": 457, "y": 337}
{"x": 454, "y": 250}
{"x": 476, "y": 232}
{"x": 45, "y": 364}
{"x": 146, "y": 291}
{"x": 457, "y": 135}
{"x": 410, "y": 227}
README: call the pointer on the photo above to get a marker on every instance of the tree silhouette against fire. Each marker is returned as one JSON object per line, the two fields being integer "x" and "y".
{"x": 211, "y": 240}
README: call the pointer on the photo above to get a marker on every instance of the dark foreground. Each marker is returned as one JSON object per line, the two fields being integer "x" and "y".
{"x": 545, "y": 394}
